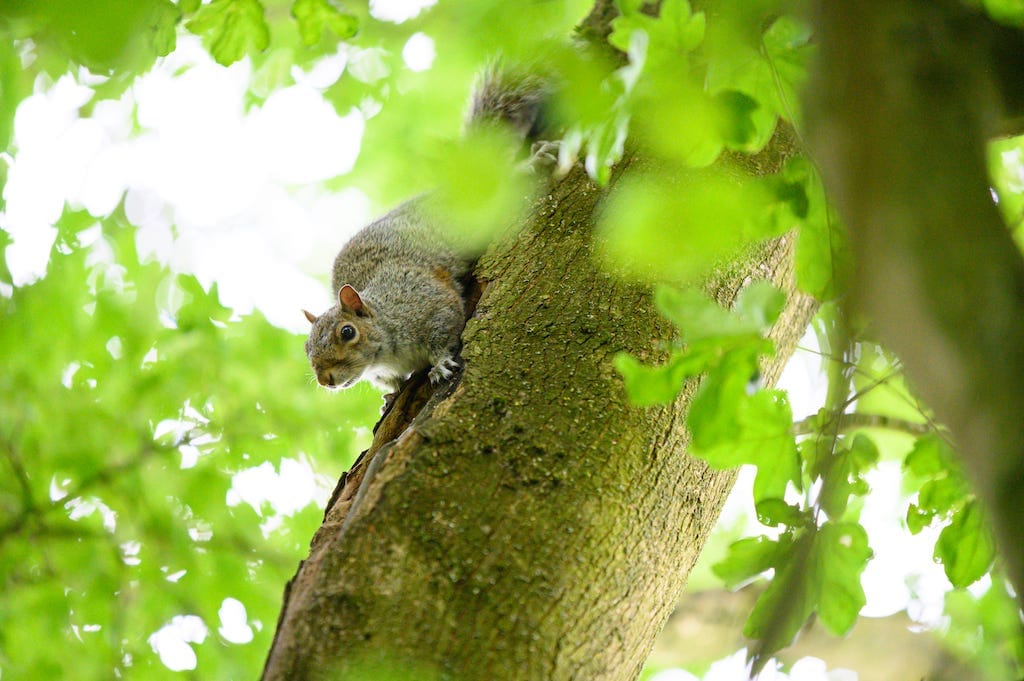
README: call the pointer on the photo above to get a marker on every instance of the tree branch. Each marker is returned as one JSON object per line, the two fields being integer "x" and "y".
{"x": 902, "y": 103}
{"x": 848, "y": 422}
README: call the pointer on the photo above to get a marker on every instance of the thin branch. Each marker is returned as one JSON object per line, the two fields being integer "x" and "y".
{"x": 847, "y": 422}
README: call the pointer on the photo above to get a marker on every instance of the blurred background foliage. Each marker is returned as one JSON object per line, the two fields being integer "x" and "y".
{"x": 134, "y": 405}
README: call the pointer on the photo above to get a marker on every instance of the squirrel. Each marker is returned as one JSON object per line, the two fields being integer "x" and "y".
{"x": 399, "y": 285}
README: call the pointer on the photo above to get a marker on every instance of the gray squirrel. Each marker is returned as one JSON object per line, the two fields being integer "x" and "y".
{"x": 399, "y": 284}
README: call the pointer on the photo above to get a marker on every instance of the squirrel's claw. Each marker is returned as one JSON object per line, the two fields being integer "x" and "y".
{"x": 543, "y": 155}
{"x": 443, "y": 370}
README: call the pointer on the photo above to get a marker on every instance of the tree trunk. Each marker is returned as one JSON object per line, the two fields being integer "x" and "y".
{"x": 528, "y": 523}
{"x": 907, "y": 93}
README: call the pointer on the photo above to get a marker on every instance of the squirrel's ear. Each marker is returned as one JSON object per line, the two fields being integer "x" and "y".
{"x": 349, "y": 298}
{"x": 310, "y": 316}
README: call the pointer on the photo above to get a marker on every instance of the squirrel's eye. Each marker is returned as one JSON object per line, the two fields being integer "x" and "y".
{"x": 348, "y": 332}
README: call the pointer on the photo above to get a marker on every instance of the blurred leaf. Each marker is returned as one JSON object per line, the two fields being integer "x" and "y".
{"x": 931, "y": 457}
{"x": 821, "y": 573}
{"x": 699, "y": 318}
{"x": 786, "y": 604}
{"x": 750, "y": 557}
{"x": 844, "y": 475}
{"x": 775, "y": 512}
{"x": 15, "y": 85}
{"x": 823, "y": 259}
{"x": 649, "y": 385}
{"x": 316, "y": 16}
{"x": 674, "y": 32}
{"x": 761, "y": 303}
{"x": 841, "y": 553}
{"x": 177, "y": 412}
{"x": 966, "y": 546}
{"x": 230, "y": 28}
{"x": 767, "y": 64}
{"x": 102, "y": 35}
{"x": 658, "y": 229}
{"x": 479, "y": 193}
{"x": 1010, "y": 12}
{"x": 986, "y": 630}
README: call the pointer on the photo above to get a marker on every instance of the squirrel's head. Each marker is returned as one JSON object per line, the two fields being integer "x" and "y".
{"x": 340, "y": 346}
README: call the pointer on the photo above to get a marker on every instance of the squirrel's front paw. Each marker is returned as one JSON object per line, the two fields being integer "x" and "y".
{"x": 443, "y": 370}
{"x": 543, "y": 156}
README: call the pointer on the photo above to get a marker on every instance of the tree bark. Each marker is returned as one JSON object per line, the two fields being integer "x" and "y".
{"x": 905, "y": 97}
{"x": 529, "y": 523}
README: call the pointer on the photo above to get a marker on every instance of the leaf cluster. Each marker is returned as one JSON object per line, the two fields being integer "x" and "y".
{"x": 129, "y": 401}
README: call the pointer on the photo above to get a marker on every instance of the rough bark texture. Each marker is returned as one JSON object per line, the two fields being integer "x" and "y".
{"x": 529, "y": 523}
{"x": 906, "y": 94}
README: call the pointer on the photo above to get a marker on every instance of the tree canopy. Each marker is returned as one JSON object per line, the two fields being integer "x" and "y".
{"x": 167, "y": 459}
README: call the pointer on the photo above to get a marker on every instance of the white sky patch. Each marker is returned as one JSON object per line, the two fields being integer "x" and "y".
{"x": 804, "y": 379}
{"x": 324, "y": 72}
{"x": 171, "y": 642}
{"x": 83, "y": 507}
{"x": 900, "y": 558}
{"x": 288, "y": 491}
{"x": 233, "y": 622}
{"x": 419, "y": 52}
{"x": 398, "y": 11}
{"x": 229, "y": 195}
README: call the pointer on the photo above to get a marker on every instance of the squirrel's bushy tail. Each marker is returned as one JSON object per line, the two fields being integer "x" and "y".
{"x": 517, "y": 99}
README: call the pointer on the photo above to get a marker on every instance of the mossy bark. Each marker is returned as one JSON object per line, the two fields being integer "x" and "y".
{"x": 528, "y": 523}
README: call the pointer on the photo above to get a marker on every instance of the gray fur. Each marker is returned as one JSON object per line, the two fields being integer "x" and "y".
{"x": 409, "y": 279}
{"x": 409, "y": 311}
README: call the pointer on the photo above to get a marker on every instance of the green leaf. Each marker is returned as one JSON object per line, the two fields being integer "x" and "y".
{"x": 314, "y": 16}
{"x": 230, "y": 28}
{"x": 843, "y": 477}
{"x": 737, "y": 119}
{"x": 731, "y": 428}
{"x": 477, "y": 194}
{"x": 775, "y": 512}
{"x": 942, "y": 496}
{"x": 966, "y": 546}
{"x": 673, "y": 33}
{"x": 748, "y": 558}
{"x": 697, "y": 316}
{"x": 660, "y": 230}
{"x": 823, "y": 258}
{"x": 820, "y": 573}
{"x": 110, "y": 37}
{"x": 201, "y": 307}
{"x": 917, "y": 519}
{"x": 930, "y": 457}
{"x": 700, "y": 318}
{"x": 768, "y": 64}
{"x": 761, "y": 303}
{"x": 841, "y": 554}
{"x": 788, "y": 601}
{"x": 648, "y": 385}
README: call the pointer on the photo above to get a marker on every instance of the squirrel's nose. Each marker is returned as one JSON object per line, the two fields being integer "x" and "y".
{"x": 325, "y": 379}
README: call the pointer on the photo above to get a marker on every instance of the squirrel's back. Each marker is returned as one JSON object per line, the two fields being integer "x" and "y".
{"x": 404, "y": 236}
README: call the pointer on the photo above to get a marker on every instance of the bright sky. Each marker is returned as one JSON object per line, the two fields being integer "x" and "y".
{"x": 233, "y": 197}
